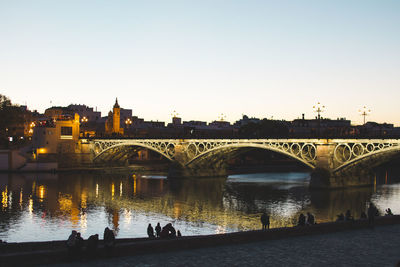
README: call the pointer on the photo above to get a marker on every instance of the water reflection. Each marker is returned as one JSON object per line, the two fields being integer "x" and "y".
{"x": 48, "y": 207}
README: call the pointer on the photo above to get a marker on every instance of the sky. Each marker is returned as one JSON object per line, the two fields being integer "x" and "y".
{"x": 265, "y": 59}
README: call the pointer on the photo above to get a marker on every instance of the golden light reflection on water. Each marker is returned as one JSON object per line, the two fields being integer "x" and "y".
{"x": 83, "y": 224}
{"x": 134, "y": 184}
{"x": 84, "y": 200}
{"x": 127, "y": 216}
{"x": 4, "y": 198}
{"x": 68, "y": 208}
{"x": 30, "y": 205}
{"x": 41, "y": 193}
{"x": 65, "y": 203}
{"x": 177, "y": 210}
{"x": 223, "y": 205}
{"x": 21, "y": 199}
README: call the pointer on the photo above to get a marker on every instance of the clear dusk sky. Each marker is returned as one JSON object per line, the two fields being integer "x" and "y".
{"x": 203, "y": 58}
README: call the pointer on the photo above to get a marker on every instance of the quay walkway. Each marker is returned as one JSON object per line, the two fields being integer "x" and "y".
{"x": 327, "y": 244}
{"x": 365, "y": 247}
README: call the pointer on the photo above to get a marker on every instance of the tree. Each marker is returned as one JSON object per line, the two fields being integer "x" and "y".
{"x": 10, "y": 115}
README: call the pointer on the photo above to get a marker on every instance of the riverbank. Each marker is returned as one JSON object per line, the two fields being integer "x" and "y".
{"x": 361, "y": 247}
{"x": 55, "y": 252}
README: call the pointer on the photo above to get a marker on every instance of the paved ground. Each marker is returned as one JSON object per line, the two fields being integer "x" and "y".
{"x": 378, "y": 247}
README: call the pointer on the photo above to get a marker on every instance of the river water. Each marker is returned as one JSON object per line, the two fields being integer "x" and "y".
{"x": 41, "y": 207}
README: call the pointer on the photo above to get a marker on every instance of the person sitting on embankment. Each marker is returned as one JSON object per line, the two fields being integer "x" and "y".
{"x": 348, "y": 216}
{"x": 302, "y": 220}
{"x": 310, "y": 219}
{"x": 388, "y": 212}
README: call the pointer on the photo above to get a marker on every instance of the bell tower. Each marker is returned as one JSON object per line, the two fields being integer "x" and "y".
{"x": 116, "y": 117}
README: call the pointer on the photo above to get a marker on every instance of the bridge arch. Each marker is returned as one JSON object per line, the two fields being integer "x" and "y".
{"x": 382, "y": 155}
{"x": 168, "y": 151}
{"x": 302, "y": 154}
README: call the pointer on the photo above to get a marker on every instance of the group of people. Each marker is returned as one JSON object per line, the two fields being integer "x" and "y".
{"x": 348, "y": 217}
{"x": 372, "y": 212}
{"x": 168, "y": 231}
{"x": 265, "y": 221}
{"x": 76, "y": 243}
{"x": 303, "y": 220}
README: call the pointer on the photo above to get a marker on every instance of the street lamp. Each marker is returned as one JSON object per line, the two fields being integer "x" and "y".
{"x": 222, "y": 117}
{"x": 128, "y": 122}
{"x": 364, "y": 112}
{"x": 84, "y": 119}
{"x": 174, "y": 114}
{"x": 319, "y": 108}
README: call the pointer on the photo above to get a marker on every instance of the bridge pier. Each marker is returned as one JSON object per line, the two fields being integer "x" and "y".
{"x": 325, "y": 176}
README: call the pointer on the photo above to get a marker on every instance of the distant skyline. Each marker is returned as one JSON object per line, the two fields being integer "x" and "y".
{"x": 265, "y": 59}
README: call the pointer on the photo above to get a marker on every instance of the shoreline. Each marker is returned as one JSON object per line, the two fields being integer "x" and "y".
{"x": 56, "y": 251}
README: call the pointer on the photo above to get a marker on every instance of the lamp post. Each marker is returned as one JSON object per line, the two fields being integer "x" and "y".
{"x": 364, "y": 111}
{"x": 319, "y": 108}
{"x": 84, "y": 120}
{"x": 128, "y": 122}
{"x": 222, "y": 117}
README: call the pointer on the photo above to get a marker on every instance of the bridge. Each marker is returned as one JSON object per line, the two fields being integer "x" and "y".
{"x": 334, "y": 162}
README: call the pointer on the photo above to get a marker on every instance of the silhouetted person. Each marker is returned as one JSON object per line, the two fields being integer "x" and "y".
{"x": 265, "y": 221}
{"x": 179, "y": 233}
{"x": 164, "y": 233}
{"x": 340, "y": 217}
{"x": 79, "y": 243}
{"x": 71, "y": 244}
{"x": 371, "y": 214}
{"x": 150, "y": 231}
{"x": 302, "y": 220}
{"x": 109, "y": 240}
{"x": 158, "y": 230}
{"x": 363, "y": 216}
{"x": 92, "y": 244}
{"x": 348, "y": 216}
{"x": 168, "y": 231}
{"x": 388, "y": 212}
{"x": 172, "y": 231}
{"x": 310, "y": 219}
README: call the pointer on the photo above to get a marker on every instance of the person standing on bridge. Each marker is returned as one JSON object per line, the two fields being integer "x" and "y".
{"x": 265, "y": 221}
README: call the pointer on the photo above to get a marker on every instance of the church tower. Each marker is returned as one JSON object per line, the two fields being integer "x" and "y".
{"x": 116, "y": 117}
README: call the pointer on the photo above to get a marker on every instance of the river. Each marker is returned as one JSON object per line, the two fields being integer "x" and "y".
{"x": 43, "y": 206}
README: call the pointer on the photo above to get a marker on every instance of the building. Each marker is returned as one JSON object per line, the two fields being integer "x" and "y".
{"x": 85, "y": 112}
{"x": 56, "y": 136}
{"x": 112, "y": 126}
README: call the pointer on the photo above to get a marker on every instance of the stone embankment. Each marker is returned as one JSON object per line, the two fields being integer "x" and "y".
{"x": 55, "y": 251}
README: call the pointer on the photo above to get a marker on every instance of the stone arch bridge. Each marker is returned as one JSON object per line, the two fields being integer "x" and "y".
{"x": 334, "y": 162}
